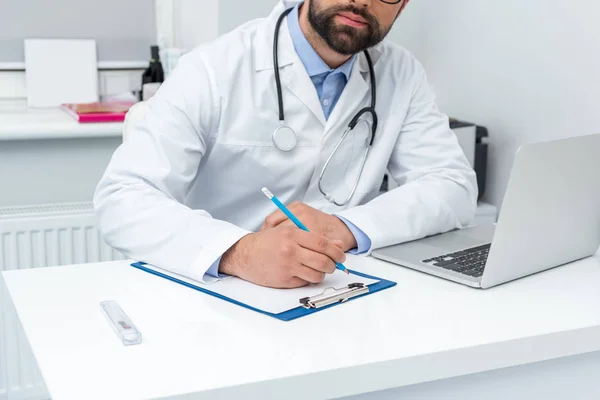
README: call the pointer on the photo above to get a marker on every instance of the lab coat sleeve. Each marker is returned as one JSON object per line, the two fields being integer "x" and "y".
{"x": 140, "y": 200}
{"x": 437, "y": 187}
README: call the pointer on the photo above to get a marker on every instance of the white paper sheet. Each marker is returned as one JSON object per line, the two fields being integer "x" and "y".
{"x": 274, "y": 301}
{"x": 60, "y": 71}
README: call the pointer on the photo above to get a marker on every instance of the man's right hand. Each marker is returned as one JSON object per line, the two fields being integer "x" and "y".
{"x": 282, "y": 257}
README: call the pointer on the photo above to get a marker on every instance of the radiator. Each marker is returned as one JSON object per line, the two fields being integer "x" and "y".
{"x": 37, "y": 237}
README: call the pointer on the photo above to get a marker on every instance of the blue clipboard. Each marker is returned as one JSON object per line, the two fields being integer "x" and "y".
{"x": 289, "y": 315}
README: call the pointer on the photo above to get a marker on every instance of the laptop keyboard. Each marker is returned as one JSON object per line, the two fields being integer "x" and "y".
{"x": 469, "y": 262}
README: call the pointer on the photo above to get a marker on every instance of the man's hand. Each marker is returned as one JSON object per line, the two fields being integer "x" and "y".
{"x": 316, "y": 221}
{"x": 282, "y": 257}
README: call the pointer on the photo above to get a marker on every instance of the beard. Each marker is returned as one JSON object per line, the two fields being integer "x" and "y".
{"x": 344, "y": 39}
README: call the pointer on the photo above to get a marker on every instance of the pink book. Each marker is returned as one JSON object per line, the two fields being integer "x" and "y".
{"x": 98, "y": 112}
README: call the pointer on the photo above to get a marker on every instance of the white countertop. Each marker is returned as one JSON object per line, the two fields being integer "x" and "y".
{"x": 423, "y": 329}
{"x": 18, "y": 122}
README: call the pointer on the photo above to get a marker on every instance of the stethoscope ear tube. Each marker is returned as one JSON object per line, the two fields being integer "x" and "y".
{"x": 276, "y": 63}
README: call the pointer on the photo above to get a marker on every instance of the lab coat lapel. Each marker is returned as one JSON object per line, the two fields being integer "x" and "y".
{"x": 296, "y": 79}
{"x": 352, "y": 99}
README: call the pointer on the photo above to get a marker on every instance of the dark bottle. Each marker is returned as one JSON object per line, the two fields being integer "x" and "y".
{"x": 154, "y": 73}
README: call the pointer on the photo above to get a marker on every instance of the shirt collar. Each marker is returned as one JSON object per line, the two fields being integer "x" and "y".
{"x": 313, "y": 63}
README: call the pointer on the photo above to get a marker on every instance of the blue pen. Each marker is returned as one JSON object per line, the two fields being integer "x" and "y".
{"x": 295, "y": 220}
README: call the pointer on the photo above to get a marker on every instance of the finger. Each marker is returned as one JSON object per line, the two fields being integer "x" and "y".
{"x": 320, "y": 244}
{"x": 309, "y": 275}
{"x": 275, "y": 219}
{"x": 317, "y": 261}
{"x": 279, "y": 217}
{"x": 294, "y": 283}
{"x": 338, "y": 243}
{"x": 264, "y": 226}
{"x": 288, "y": 222}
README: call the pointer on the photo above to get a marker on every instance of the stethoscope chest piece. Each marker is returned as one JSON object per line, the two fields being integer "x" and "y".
{"x": 285, "y": 138}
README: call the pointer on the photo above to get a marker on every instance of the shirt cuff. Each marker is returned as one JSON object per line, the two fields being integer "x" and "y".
{"x": 362, "y": 240}
{"x": 214, "y": 269}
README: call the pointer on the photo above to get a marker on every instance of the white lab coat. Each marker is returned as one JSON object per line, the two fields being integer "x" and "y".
{"x": 186, "y": 184}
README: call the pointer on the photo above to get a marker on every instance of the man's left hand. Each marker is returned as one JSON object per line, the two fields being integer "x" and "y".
{"x": 316, "y": 221}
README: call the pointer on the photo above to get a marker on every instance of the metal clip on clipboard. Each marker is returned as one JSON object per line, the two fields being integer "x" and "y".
{"x": 333, "y": 295}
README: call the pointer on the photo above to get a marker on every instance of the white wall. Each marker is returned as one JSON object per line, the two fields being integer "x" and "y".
{"x": 408, "y": 31}
{"x": 528, "y": 70}
{"x": 233, "y": 13}
{"x": 186, "y": 24}
{"x": 123, "y": 30}
{"x": 198, "y": 21}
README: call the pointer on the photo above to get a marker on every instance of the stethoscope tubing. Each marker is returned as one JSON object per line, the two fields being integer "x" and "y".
{"x": 351, "y": 125}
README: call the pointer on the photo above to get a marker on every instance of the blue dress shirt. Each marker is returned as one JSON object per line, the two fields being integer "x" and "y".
{"x": 330, "y": 84}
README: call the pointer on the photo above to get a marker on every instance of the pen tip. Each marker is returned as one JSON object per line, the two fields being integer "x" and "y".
{"x": 267, "y": 193}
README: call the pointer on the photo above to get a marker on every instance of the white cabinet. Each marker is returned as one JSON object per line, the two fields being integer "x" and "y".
{"x": 47, "y": 157}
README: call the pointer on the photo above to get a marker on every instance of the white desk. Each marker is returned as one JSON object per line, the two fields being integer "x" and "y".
{"x": 196, "y": 346}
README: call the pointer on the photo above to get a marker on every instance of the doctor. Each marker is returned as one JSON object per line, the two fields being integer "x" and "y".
{"x": 270, "y": 105}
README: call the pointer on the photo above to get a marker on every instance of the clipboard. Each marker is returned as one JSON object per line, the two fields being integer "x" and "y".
{"x": 321, "y": 300}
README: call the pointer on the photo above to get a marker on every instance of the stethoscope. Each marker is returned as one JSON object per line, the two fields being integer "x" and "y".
{"x": 285, "y": 138}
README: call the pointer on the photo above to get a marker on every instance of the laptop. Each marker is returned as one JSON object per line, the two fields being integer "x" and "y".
{"x": 550, "y": 216}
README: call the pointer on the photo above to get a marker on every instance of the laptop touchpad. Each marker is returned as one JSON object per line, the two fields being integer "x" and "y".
{"x": 452, "y": 241}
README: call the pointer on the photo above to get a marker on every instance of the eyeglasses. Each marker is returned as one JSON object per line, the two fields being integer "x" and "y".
{"x": 391, "y": 1}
